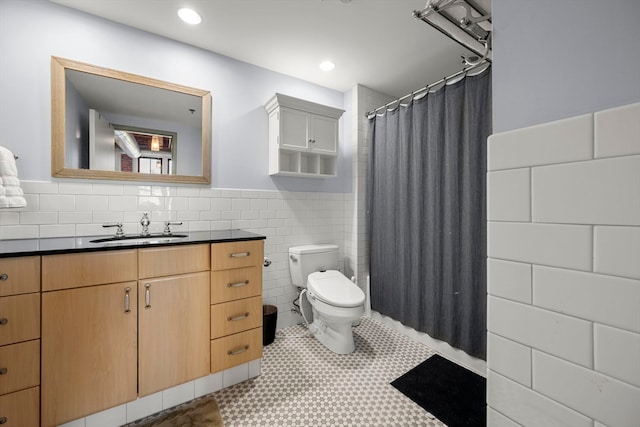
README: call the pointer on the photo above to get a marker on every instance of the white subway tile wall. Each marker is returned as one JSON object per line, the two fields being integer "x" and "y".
{"x": 563, "y": 283}
{"x": 285, "y": 218}
{"x": 510, "y": 280}
{"x": 510, "y": 195}
{"x": 510, "y": 359}
{"x": 176, "y": 395}
{"x": 563, "y": 141}
{"x": 144, "y": 406}
{"x": 527, "y": 407}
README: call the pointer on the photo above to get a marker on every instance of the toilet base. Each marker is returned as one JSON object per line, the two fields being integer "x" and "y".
{"x": 337, "y": 337}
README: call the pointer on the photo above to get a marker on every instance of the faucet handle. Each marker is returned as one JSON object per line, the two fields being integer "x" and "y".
{"x": 144, "y": 222}
{"x": 119, "y": 232}
{"x": 167, "y": 228}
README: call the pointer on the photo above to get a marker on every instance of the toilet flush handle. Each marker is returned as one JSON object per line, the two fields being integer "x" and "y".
{"x": 293, "y": 258}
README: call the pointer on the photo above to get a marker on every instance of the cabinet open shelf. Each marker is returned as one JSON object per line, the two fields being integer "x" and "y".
{"x": 306, "y": 165}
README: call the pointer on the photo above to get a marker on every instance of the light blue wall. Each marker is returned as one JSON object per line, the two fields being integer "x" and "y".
{"x": 31, "y": 31}
{"x": 76, "y": 130}
{"x": 557, "y": 59}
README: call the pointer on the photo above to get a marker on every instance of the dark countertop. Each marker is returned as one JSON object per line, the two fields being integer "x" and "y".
{"x": 64, "y": 245}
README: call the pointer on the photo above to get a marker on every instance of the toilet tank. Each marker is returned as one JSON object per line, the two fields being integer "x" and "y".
{"x": 304, "y": 260}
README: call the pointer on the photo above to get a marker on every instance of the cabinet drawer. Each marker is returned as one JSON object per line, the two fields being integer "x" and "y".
{"x": 236, "y": 254}
{"x": 87, "y": 269}
{"x": 21, "y": 409}
{"x": 236, "y": 316}
{"x": 19, "y": 366}
{"x": 237, "y": 283}
{"x": 19, "y": 275}
{"x": 165, "y": 261}
{"x": 19, "y": 318}
{"x": 236, "y": 349}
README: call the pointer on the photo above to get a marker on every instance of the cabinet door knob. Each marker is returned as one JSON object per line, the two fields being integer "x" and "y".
{"x": 3, "y": 371}
{"x": 4, "y": 276}
{"x": 4, "y": 321}
{"x": 3, "y": 420}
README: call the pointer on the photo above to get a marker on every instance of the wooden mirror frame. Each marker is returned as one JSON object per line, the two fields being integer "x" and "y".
{"x": 58, "y": 105}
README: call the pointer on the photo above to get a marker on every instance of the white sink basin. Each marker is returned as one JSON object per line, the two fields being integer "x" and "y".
{"x": 154, "y": 238}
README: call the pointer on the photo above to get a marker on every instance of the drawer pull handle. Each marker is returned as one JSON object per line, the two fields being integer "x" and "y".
{"x": 4, "y": 321}
{"x": 238, "y": 317}
{"x": 237, "y": 285}
{"x": 147, "y": 295}
{"x": 238, "y": 350}
{"x": 3, "y": 420}
{"x": 127, "y": 300}
{"x": 3, "y": 371}
{"x": 4, "y": 276}
{"x": 240, "y": 254}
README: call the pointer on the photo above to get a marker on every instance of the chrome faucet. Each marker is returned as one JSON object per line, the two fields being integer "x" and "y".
{"x": 167, "y": 227}
{"x": 145, "y": 224}
{"x": 119, "y": 232}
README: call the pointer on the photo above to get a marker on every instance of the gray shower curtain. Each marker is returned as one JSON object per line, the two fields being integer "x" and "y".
{"x": 427, "y": 221}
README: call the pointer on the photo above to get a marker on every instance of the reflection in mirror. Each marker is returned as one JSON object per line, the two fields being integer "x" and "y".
{"x": 108, "y": 124}
{"x": 136, "y": 148}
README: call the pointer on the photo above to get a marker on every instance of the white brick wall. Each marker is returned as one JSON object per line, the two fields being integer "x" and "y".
{"x": 563, "y": 272}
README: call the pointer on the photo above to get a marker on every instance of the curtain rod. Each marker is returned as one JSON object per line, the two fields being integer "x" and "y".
{"x": 429, "y": 86}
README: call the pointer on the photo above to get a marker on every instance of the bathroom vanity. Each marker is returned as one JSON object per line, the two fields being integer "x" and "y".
{"x": 87, "y": 326}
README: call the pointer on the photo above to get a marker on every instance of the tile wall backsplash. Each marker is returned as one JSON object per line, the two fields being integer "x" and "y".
{"x": 56, "y": 209}
{"x": 564, "y": 272}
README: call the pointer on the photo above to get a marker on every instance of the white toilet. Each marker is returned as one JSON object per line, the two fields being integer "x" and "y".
{"x": 336, "y": 301}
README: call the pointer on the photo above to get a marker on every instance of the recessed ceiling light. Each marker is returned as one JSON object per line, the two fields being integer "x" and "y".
{"x": 189, "y": 16}
{"x": 327, "y": 65}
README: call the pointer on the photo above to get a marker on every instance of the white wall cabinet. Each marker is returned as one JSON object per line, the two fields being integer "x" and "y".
{"x": 303, "y": 137}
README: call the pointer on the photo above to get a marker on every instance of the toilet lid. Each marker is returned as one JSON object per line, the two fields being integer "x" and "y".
{"x": 333, "y": 288}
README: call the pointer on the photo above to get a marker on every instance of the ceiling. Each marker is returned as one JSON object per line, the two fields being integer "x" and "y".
{"x": 376, "y": 43}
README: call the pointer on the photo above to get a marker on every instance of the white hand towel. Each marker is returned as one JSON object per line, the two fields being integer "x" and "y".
{"x": 11, "y": 195}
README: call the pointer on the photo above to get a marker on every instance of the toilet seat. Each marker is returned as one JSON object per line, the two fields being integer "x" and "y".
{"x": 333, "y": 288}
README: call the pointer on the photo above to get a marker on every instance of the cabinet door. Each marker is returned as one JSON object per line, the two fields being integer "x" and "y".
{"x": 324, "y": 134}
{"x": 174, "y": 331}
{"x": 19, "y": 275}
{"x": 233, "y": 350}
{"x": 245, "y": 253}
{"x": 88, "y": 350}
{"x": 21, "y": 408}
{"x": 236, "y": 316}
{"x": 294, "y": 129}
{"x": 19, "y": 318}
{"x": 20, "y": 366}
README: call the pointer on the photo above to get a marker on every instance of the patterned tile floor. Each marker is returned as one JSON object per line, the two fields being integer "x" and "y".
{"x": 304, "y": 384}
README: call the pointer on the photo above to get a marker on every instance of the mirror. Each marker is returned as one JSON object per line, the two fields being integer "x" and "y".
{"x": 108, "y": 124}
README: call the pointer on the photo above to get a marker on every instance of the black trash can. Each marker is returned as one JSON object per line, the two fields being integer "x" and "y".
{"x": 269, "y": 320}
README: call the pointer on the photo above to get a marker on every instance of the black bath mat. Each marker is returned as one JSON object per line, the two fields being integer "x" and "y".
{"x": 453, "y": 394}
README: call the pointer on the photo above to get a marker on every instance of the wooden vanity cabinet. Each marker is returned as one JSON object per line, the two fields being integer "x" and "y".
{"x": 125, "y": 323}
{"x": 173, "y": 316}
{"x": 89, "y": 334}
{"x": 20, "y": 341}
{"x": 236, "y": 298}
